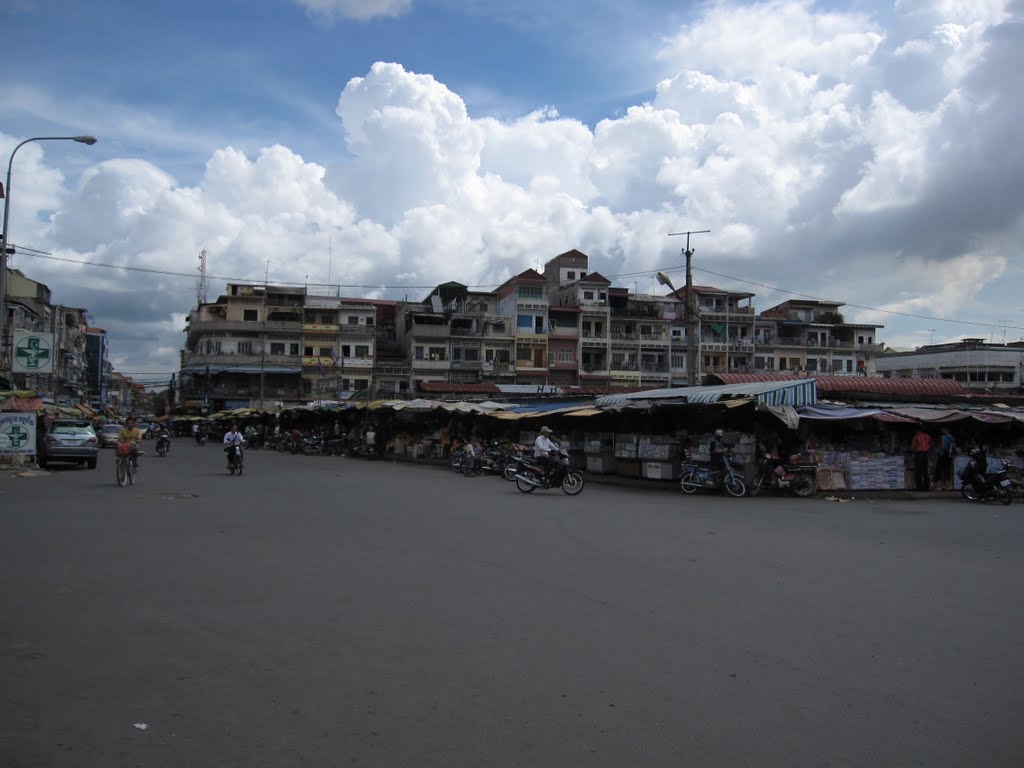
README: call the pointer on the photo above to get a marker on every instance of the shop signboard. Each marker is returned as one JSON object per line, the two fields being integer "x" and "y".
{"x": 33, "y": 352}
{"x": 17, "y": 434}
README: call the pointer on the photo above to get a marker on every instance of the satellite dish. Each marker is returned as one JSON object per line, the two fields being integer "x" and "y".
{"x": 664, "y": 280}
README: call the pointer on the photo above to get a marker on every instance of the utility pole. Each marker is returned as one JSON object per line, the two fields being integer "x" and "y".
{"x": 691, "y": 310}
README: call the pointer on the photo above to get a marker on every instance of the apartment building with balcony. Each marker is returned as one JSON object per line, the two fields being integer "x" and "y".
{"x": 579, "y": 317}
{"x": 244, "y": 350}
{"x": 640, "y": 338}
{"x": 524, "y": 298}
{"x": 423, "y": 333}
{"x": 812, "y": 336}
{"x": 338, "y": 346}
{"x": 725, "y": 329}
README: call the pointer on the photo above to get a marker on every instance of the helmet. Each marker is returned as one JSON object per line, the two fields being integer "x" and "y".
{"x": 975, "y": 451}
{"x": 719, "y": 432}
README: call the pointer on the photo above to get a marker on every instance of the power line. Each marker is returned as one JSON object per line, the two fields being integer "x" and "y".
{"x": 35, "y": 253}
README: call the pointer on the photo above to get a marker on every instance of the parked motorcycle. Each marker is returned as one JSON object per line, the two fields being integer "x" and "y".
{"x": 993, "y": 484}
{"x": 235, "y": 462}
{"x": 791, "y": 476}
{"x": 699, "y": 475}
{"x": 564, "y": 475}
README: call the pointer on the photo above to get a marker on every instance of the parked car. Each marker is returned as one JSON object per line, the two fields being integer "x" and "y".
{"x": 71, "y": 440}
{"x": 108, "y": 435}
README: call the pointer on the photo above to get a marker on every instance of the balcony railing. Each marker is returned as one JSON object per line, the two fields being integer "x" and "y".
{"x": 563, "y": 365}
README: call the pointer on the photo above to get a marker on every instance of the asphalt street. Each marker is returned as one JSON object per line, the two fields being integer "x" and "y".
{"x": 325, "y": 611}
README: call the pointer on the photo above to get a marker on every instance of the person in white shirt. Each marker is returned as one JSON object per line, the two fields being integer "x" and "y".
{"x": 231, "y": 438}
{"x": 544, "y": 450}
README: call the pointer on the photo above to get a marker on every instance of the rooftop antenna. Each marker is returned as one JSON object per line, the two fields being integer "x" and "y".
{"x": 266, "y": 274}
{"x": 202, "y": 283}
{"x": 330, "y": 258}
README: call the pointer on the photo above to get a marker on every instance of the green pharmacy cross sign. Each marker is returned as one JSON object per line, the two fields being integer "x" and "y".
{"x": 32, "y": 352}
{"x": 16, "y": 436}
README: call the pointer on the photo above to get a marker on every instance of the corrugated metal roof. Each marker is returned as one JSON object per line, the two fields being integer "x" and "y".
{"x": 866, "y": 384}
{"x": 793, "y": 392}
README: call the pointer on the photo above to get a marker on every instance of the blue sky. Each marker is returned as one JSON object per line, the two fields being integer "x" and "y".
{"x": 863, "y": 151}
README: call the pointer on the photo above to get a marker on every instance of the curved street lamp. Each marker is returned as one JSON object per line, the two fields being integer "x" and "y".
{"x": 6, "y": 193}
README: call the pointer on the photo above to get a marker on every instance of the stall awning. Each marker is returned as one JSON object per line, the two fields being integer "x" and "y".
{"x": 792, "y": 392}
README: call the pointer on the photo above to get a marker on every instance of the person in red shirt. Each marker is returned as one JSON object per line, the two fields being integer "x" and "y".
{"x": 920, "y": 446}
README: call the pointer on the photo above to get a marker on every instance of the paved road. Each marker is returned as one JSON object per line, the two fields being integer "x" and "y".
{"x": 339, "y": 612}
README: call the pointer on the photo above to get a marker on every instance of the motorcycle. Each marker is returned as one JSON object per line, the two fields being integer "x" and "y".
{"x": 992, "y": 485}
{"x": 235, "y": 462}
{"x": 792, "y": 476}
{"x": 200, "y": 438}
{"x": 705, "y": 476}
{"x": 163, "y": 444}
{"x": 532, "y": 476}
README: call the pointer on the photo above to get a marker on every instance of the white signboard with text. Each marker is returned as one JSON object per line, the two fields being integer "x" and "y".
{"x": 33, "y": 352}
{"x": 17, "y": 433}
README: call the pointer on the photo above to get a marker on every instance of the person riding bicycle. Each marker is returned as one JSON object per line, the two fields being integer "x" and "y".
{"x": 232, "y": 438}
{"x": 545, "y": 452}
{"x": 132, "y": 435}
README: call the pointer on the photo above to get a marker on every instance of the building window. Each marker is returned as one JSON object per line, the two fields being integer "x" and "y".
{"x": 571, "y": 275}
{"x": 245, "y": 347}
{"x": 362, "y": 383}
{"x": 307, "y": 351}
{"x": 353, "y": 320}
{"x": 437, "y": 353}
{"x": 588, "y": 295}
{"x": 362, "y": 350}
{"x": 531, "y": 292}
{"x": 325, "y": 351}
{"x": 346, "y": 350}
{"x": 565, "y": 355}
{"x": 498, "y": 327}
{"x": 276, "y": 348}
{"x": 369, "y": 321}
{"x": 524, "y": 321}
{"x": 472, "y": 355}
{"x": 250, "y": 315}
{"x": 293, "y": 350}
{"x": 419, "y": 353}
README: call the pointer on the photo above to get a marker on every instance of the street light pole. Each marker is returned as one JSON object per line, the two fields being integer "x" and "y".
{"x": 90, "y": 140}
{"x": 691, "y": 310}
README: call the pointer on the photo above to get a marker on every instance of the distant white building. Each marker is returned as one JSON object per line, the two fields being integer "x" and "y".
{"x": 975, "y": 363}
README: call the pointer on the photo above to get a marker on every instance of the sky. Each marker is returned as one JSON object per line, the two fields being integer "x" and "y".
{"x": 861, "y": 151}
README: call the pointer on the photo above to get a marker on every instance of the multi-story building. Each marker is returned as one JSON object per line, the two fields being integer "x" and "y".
{"x": 244, "y": 350}
{"x": 812, "y": 336}
{"x": 975, "y": 363}
{"x": 96, "y": 367}
{"x": 338, "y": 346}
{"x": 69, "y": 367}
{"x": 423, "y": 332}
{"x": 641, "y": 340}
{"x": 524, "y": 297}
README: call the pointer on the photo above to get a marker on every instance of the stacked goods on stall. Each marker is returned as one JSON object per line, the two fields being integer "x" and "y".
{"x": 876, "y": 472}
{"x": 660, "y": 457}
{"x": 599, "y": 448}
{"x": 626, "y": 454}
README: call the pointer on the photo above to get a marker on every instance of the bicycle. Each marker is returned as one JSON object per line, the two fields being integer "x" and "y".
{"x": 125, "y": 466}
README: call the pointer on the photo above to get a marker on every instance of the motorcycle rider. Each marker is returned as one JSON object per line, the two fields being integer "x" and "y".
{"x": 976, "y": 470}
{"x": 163, "y": 437}
{"x": 545, "y": 451}
{"x": 719, "y": 449}
{"x": 232, "y": 438}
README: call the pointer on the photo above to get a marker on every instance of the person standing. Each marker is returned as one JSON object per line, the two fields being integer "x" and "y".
{"x": 920, "y": 446}
{"x": 371, "y": 441}
{"x": 944, "y": 461}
